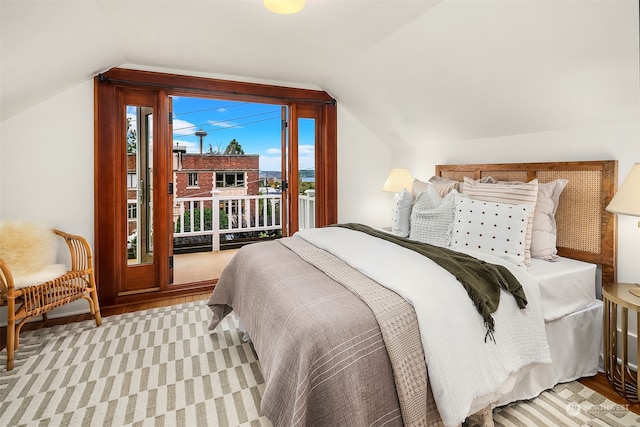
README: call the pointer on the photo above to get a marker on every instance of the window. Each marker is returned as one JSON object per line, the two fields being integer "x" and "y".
{"x": 193, "y": 179}
{"x": 230, "y": 207}
{"x": 229, "y": 179}
{"x": 132, "y": 180}
{"x": 132, "y": 210}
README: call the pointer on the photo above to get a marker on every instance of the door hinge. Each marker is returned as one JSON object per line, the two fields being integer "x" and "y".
{"x": 284, "y": 124}
{"x": 170, "y": 118}
{"x": 171, "y": 188}
{"x": 171, "y": 261}
{"x": 284, "y": 186}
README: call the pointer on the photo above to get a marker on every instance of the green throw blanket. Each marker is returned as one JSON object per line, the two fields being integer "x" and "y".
{"x": 481, "y": 279}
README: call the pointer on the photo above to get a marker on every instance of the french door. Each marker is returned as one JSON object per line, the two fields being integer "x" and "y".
{"x": 134, "y": 173}
{"x": 144, "y": 142}
{"x": 300, "y": 164}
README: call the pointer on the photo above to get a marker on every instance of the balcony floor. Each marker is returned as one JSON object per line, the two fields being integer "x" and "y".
{"x": 196, "y": 267}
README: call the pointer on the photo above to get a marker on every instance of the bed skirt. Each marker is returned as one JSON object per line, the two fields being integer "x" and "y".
{"x": 575, "y": 342}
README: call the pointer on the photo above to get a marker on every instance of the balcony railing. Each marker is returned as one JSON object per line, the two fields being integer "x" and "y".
{"x": 195, "y": 216}
{"x": 307, "y": 210}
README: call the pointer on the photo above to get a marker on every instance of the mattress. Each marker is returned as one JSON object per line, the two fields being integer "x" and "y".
{"x": 566, "y": 286}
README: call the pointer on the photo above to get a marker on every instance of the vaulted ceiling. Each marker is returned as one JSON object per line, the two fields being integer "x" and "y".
{"x": 412, "y": 71}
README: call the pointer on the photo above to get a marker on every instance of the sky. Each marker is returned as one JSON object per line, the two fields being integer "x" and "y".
{"x": 256, "y": 127}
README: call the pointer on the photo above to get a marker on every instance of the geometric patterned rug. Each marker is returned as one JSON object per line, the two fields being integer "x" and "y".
{"x": 163, "y": 367}
{"x": 159, "y": 367}
{"x": 569, "y": 404}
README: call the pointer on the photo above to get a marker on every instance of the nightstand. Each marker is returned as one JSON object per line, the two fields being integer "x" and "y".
{"x": 620, "y": 376}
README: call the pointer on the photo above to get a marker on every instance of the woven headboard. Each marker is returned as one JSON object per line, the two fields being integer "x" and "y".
{"x": 586, "y": 231}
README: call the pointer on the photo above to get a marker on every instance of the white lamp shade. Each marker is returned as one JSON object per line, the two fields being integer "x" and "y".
{"x": 627, "y": 199}
{"x": 398, "y": 180}
{"x": 284, "y": 7}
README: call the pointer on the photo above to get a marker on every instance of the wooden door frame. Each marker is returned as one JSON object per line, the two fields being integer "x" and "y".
{"x": 108, "y": 182}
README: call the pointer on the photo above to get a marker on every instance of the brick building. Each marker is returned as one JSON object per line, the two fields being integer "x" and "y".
{"x": 196, "y": 175}
{"x": 199, "y": 174}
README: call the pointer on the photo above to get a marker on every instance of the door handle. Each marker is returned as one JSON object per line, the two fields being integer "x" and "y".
{"x": 141, "y": 192}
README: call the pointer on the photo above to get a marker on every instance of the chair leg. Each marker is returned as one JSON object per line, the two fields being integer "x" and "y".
{"x": 11, "y": 341}
{"x": 96, "y": 306}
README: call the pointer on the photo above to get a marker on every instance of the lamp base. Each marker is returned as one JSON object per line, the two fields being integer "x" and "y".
{"x": 635, "y": 291}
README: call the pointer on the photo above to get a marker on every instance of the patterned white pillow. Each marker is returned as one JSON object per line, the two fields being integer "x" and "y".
{"x": 525, "y": 193}
{"x": 401, "y": 218}
{"x": 432, "y": 217}
{"x": 496, "y": 228}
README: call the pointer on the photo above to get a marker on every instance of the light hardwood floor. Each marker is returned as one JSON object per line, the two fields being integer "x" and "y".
{"x": 597, "y": 383}
{"x": 195, "y": 267}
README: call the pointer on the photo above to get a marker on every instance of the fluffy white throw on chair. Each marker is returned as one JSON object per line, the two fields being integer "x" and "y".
{"x": 29, "y": 248}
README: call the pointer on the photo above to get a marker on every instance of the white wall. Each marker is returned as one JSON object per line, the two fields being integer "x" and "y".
{"x": 47, "y": 162}
{"x": 363, "y": 164}
{"x": 46, "y": 169}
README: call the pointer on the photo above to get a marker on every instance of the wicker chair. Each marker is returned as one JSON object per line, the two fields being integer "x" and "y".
{"x": 27, "y": 301}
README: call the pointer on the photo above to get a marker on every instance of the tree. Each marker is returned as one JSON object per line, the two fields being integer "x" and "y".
{"x": 132, "y": 137}
{"x": 208, "y": 220}
{"x": 234, "y": 147}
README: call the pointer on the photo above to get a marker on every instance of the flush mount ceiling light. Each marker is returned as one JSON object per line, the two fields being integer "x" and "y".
{"x": 284, "y": 7}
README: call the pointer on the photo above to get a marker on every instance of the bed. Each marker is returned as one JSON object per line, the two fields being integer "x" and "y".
{"x": 349, "y": 332}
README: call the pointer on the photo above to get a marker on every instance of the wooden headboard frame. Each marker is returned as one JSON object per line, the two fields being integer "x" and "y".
{"x": 586, "y": 231}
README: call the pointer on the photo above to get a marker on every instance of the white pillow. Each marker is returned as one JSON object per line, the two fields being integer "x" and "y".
{"x": 401, "y": 213}
{"x": 543, "y": 240}
{"x": 496, "y": 228}
{"x": 432, "y": 217}
{"x": 524, "y": 193}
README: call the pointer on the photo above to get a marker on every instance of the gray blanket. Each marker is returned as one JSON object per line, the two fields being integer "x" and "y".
{"x": 322, "y": 351}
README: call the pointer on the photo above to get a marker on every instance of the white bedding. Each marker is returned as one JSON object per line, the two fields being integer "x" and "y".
{"x": 575, "y": 342}
{"x": 465, "y": 372}
{"x": 566, "y": 286}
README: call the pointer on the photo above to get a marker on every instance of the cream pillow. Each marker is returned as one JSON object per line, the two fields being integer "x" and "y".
{"x": 515, "y": 194}
{"x": 499, "y": 229}
{"x": 418, "y": 187}
{"x": 432, "y": 217}
{"x": 543, "y": 241}
{"x": 442, "y": 185}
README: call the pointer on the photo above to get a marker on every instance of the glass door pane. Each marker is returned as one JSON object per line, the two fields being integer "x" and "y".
{"x": 227, "y": 177}
{"x": 139, "y": 122}
{"x": 306, "y": 173}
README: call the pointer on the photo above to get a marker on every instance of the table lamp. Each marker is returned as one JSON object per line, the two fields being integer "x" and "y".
{"x": 399, "y": 179}
{"x": 627, "y": 201}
